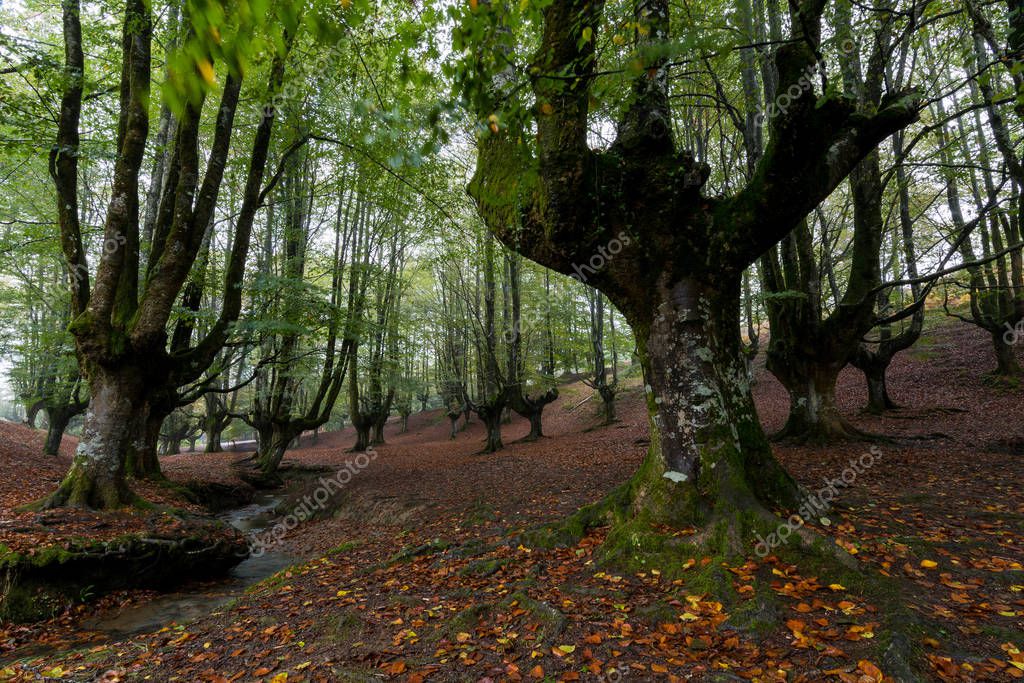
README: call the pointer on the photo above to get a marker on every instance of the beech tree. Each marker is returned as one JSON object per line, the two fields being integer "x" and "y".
{"x": 122, "y": 307}
{"x": 676, "y": 257}
{"x": 605, "y": 389}
{"x": 518, "y": 394}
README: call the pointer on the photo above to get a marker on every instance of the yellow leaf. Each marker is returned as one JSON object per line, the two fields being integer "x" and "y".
{"x": 206, "y": 71}
{"x": 929, "y": 564}
{"x": 280, "y": 678}
{"x": 837, "y": 586}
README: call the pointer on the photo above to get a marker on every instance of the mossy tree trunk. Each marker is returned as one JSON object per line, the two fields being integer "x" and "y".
{"x": 607, "y": 393}
{"x": 142, "y": 461}
{"x": 879, "y": 400}
{"x": 1007, "y": 364}
{"x": 709, "y": 457}
{"x": 874, "y": 357}
{"x": 633, "y": 219}
{"x": 97, "y": 475}
{"x": 121, "y": 310}
{"x": 274, "y": 440}
{"x": 32, "y": 412}
{"x": 814, "y": 416}
{"x": 453, "y": 419}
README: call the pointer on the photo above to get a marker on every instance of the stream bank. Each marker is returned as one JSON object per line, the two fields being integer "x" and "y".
{"x": 233, "y": 566}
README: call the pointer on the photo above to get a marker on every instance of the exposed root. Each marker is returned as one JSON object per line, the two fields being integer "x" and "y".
{"x": 833, "y": 431}
{"x": 80, "y": 489}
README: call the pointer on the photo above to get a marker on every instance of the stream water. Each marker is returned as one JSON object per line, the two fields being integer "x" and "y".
{"x": 190, "y": 601}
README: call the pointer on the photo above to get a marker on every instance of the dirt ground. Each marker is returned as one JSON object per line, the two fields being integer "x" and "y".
{"x": 417, "y": 569}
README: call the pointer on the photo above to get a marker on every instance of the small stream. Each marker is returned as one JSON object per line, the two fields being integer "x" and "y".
{"x": 190, "y": 601}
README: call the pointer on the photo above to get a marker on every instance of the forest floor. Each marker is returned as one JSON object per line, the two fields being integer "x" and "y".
{"x": 416, "y": 570}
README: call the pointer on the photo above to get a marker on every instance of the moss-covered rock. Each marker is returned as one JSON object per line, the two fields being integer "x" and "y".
{"x": 39, "y": 584}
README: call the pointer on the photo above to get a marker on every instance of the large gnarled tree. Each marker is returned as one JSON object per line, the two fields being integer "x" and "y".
{"x": 121, "y": 310}
{"x": 675, "y": 256}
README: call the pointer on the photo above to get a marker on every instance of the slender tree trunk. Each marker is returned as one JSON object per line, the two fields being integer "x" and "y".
{"x": 607, "y": 403}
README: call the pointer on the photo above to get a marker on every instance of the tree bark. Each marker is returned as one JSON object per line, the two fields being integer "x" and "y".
{"x": 453, "y": 418}
{"x": 669, "y": 258}
{"x": 274, "y": 440}
{"x": 32, "y": 412}
{"x": 96, "y": 478}
{"x": 378, "y": 430}
{"x": 57, "y": 423}
{"x": 607, "y": 394}
{"x": 708, "y": 454}
{"x": 813, "y": 414}
{"x": 142, "y": 460}
{"x": 490, "y": 414}
{"x": 879, "y": 400}
{"x": 362, "y": 425}
{"x": 1007, "y": 364}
